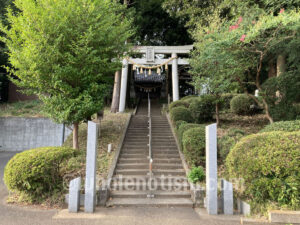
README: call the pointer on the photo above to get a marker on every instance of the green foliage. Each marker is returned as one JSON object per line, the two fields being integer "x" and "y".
{"x": 196, "y": 174}
{"x": 180, "y": 113}
{"x": 288, "y": 126}
{"x": 156, "y": 27}
{"x": 65, "y": 52}
{"x": 178, "y": 103}
{"x": 203, "y": 108}
{"x": 225, "y": 100}
{"x": 193, "y": 142}
{"x": 288, "y": 86}
{"x": 231, "y": 53}
{"x": 184, "y": 127}
{"x": 30, "y": 108}
{"x": 36, "y": 172}
{"x": 228, "y": 141}
{"x": 269, "y": 163}
{"x": 242, "y": 105}
{"x": 179, "y": 123}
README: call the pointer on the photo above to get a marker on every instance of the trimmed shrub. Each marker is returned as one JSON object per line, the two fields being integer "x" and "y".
{"x": 179, "y": 123}
{"x": 228, "y": 141}
{"x": 269, "y": 163}
{"x": 225, "y": 100}
{"x": 193, "y": 142}
{"x": 178, "y": 103}
{"x": 36, "y": 173}
{"x": 196, "y": 174}
{"x": 288, "y": 126}
{"x": 184, "y": 127}
{"x": 203, "y": 108}
{"x": 180, "y": 113}
{"x": 242, "y": 105}
{"x": 188, "y": 97}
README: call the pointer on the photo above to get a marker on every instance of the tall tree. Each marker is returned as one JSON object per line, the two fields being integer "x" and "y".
{"x": 156, "y": 27}
{"x": 237, "y": 52}
{"x": 65, "y": 52}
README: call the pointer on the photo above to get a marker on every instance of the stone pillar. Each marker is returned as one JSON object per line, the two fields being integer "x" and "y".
{"x": 227, "y": 197}
{"x": 211, "y": 170}
{"x": 175, "y": 78}
{"x": 123, "y": 86}
{"x": 116, "y": 93}
{"x": 74, "y": 195}
{"x": 91, "y": 165}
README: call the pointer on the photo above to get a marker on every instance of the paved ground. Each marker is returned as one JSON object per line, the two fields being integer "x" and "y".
{"x": 105, "y": 216}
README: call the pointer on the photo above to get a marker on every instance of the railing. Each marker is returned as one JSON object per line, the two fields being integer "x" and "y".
{"x": 150, "y": 136}
{"x": 150, "y": 194}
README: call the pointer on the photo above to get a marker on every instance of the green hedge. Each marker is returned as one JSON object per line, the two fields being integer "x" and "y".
{"x": 178, "y": 103}
{"x": 242, "y": 105}
{"x": 193, "y": 142}
{"x": 289, "y": 126}
{"x": 228, "y": 141}
{"x": 184, "y": 127}
{"x": 180, "y": 113}
{"x": 203, "y": 108}
{"x": 179, "y": 123}
{"x": 225, "y": 100}
{"x": 269, "y": 163}
{"x": 36, "y": 173}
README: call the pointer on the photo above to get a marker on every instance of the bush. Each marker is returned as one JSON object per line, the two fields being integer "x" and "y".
{"x": 203, "y": 108}
{"x": 185, "y": 98}
{"x": 288, "y": 126}
{"x": 178, "y": 103}
{"x": 193, "y": 142}
{"x": 180, "y": 113}
{"x": 179, "y": 123}
{"x": 225, "y": 100}
{"x": 228, "y": 141}
{"x": 242, "y": 105}
{"x": 36, "y": 173}
{"x": 269, "y": 163}
{"x": 184, "y": 127}
{"x": 197, "y": 174}
{"x": 288, "y": 86}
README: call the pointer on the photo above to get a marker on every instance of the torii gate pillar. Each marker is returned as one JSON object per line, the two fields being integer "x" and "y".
{"x": 123, "y": 91}
{"x": 175, "y": 79}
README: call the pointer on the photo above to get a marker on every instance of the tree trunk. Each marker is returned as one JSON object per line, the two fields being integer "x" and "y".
{"x": 281, "y": 65}
{"x": 75, "y": 135}
{"x": 116, "y": 93}
{"x": 217, "y": 114}
{"x": 272, "y": 69}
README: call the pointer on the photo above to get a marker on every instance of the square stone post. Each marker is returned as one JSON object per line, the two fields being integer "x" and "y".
{"x": 227, "y": 197}
{"x": 211, "y": 170}
{"x": 91, "y": 165}
{"x": 74, "y": 195}
{"x": 175, "y": 78}
{"x": 123, "y": 91}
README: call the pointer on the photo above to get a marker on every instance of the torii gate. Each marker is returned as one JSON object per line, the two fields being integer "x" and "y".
{"x": 150, "y": 59}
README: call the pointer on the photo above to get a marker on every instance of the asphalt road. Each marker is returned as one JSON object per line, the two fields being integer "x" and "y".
{"x": 16, "y": 215}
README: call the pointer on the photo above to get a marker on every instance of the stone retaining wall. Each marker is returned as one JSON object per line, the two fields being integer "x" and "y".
{"x": 19, "y": 134}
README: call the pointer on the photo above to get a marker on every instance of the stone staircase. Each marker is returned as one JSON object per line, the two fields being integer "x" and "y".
{"x": 132, "y": 185}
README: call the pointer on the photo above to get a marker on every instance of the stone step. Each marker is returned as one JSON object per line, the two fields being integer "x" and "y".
{"x": 156, "y": 172}
{"x": 145, "y": 186}
{"x": 157, "y": 194}
{"x": 146, "y": 151}
{"x": 138, "y": 160}
{"x": 150, "y": 202}
{"x": 147, "y": 178}
{"x": 146, "y": 166}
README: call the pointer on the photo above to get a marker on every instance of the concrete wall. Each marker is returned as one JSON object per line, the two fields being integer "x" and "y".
{"x": 18, "y": 134}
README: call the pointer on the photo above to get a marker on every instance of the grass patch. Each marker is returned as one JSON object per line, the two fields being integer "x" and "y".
{"x": 111, "y": 130}
{"x": 30, "y": 108}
